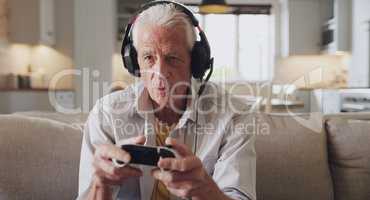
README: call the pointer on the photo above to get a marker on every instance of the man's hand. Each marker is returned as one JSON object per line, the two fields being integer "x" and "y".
{"x": 106, "y": 174}
{"x": 185, "y": 177}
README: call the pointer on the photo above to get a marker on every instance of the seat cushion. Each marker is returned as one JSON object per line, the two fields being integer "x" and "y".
{"x": 291, "y": 159}
{"x": 349, "y": 150}
{"x": 39, "y": 158}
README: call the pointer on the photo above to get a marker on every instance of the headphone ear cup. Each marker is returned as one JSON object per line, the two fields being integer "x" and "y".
{"x": 130, "y": 60}
{"x": 199, "y": 60}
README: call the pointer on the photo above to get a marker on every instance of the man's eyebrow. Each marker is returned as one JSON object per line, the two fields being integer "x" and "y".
{"x": 172, "y": 53}
{"x": 147, "y": 51}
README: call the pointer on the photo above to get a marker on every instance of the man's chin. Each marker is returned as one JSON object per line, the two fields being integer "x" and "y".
{"x": 162, "y": 102}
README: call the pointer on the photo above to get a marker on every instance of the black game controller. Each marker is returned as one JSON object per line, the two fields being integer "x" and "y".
{"x": 146, "y": 155}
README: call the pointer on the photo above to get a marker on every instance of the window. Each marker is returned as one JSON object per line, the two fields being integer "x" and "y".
{"x": 255, "y": 47}
{"x": 241, "y": 44}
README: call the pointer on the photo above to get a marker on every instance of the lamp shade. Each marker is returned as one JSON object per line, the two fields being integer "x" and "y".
{"x": 214, "y": 6}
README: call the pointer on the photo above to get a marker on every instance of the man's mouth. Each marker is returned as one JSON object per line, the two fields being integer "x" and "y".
{"x": 162, "y": 91}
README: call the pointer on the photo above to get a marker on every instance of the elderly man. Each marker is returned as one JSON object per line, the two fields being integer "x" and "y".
{"x": 171, "y": 105}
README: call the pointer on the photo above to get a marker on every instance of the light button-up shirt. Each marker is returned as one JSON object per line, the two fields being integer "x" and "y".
{"x": 219, "y": 136}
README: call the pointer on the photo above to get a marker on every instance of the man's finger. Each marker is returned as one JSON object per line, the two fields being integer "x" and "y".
{"x": 168, "y": 176}
{"x": 134, "y": 140}
{"x": 185, "y": 185}
{"x": 180, "y": 164}
{"x": 103, "y": 165}
{"x": 108, "y": 151}
{"x": 113, "y": 173}
{"x": 177, "y": 192}
{"x": 129, "y": 171}
{"x": 183, "y": 193}
{"x": 182, "y": 149}
{"x": 158, "y": 174}
{"x": 113, "y": 179}
{"x": 126, "y": 171}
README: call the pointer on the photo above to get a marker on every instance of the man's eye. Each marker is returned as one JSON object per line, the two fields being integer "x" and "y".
{"x": 173, "y": 58}
{"x": 148, "y": 58}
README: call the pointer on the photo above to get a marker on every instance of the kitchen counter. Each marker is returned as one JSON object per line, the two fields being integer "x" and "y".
{"x": 36, "y": 90}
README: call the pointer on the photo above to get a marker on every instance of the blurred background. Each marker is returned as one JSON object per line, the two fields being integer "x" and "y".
{"x": 279, "y": 55}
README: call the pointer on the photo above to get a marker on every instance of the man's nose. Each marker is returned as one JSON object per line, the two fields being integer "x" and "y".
{"x": 161, "y": 69}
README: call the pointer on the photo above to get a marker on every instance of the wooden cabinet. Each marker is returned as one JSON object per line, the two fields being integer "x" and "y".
{"x": 325, "y": 101}
{"x": 333, "y": 101}
{"x": 301, "y": 27}
{"x": 35, "y": 99}
{"x": 336, "y": 20}
{"x": 314, "y": 26}
{"x": 343, "y": 17}
{"x": 326, "y": 10}
{"x": 31, "y": 22}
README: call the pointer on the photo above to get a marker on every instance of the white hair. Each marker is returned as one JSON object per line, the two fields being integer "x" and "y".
{"x": 166, "y": 15}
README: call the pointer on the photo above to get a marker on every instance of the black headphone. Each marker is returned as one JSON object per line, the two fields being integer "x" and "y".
{"x": 201, "y": 59}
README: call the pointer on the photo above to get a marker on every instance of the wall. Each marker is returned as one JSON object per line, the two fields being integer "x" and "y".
{"x": 3, "y": 20}
{"x": 360, "y": 73}
{"x": 94, "y": 46}
{"x": 14, "y": 58}
{"x": 314, "y": 71}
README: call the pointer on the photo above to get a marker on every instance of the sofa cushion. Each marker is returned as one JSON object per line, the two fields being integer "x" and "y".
{"x": 291, "y": 160}
{"x": 349, "y": 151}
{"x": 76, "y": 120}
{"x": 39, "y": 158}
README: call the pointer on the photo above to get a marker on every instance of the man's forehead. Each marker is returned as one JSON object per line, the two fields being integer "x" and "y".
{"x": 167, "y": 36}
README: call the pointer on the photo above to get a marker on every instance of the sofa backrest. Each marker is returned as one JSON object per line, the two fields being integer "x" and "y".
{"x": 292, "y": 160}
{"x": 39, "y": 158}
{"x": 349, "y": 155}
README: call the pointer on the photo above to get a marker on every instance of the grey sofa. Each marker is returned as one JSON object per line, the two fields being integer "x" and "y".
{"x": 39, "y": 157}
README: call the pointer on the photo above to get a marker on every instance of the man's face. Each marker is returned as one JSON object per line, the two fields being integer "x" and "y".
{"x": 164, "y": 60}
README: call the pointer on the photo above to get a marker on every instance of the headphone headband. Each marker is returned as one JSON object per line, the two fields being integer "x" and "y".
{"x": 184, "y": 9}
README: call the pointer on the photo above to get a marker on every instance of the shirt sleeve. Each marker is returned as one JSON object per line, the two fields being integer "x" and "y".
{"x": 235, "y": 170}
{"x": 95, "y": 132}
